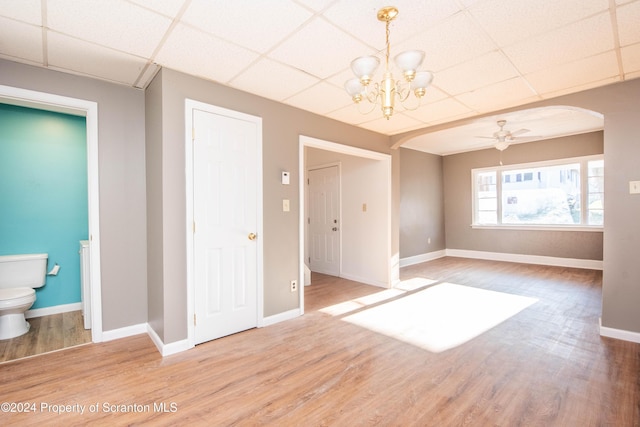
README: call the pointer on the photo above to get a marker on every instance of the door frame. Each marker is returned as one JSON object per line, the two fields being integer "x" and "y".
{"x": 190, "y": 106}
{"x": 307, "y": 141}
{"x": 89, "y": 110}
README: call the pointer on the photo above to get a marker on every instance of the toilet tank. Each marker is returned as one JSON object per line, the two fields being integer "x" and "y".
{"x": 27, "y": 271}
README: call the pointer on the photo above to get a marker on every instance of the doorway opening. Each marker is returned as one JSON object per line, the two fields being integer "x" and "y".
{"x": 363, "y": 223}
{"x": 89, "y": 110}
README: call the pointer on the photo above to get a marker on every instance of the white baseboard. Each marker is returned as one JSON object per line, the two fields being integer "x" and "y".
{"x": 280, "y": 317}
{"x": 527, "y": 259}
{"x": 364, "y": 280}
{"x": 56, "y": 309}
{"x": 167, "y": 349}
{"x": 127, "y": 331}
{"x": 417, "y": 259}
{"x": 619, "y": 334}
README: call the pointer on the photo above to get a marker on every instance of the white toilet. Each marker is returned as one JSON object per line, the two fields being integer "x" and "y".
{"x": 19, "y": 275}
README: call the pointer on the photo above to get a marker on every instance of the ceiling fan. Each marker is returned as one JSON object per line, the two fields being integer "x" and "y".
{"x": 503, "y": 137}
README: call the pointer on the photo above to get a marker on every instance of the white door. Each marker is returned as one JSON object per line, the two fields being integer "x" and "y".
{"x": 225, "y": 211}
{"x": 324, "y": 220}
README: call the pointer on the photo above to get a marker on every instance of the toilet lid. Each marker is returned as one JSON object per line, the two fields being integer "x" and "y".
{"x": 12, "y": 293}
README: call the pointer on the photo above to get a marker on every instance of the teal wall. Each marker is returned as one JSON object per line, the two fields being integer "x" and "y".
{"x": 43, "y": 194}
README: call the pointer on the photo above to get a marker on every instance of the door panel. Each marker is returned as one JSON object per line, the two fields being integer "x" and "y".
{"x": 324, "y": 221}
{"x": 225, "y": 211}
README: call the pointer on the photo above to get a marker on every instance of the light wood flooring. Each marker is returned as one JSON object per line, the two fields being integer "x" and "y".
{"x": 545, "y": 366}
{"x": 47, "y": 333}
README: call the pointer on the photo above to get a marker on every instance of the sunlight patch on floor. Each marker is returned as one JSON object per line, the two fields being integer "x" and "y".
{"x": 367, "y": 300}
{"x": 358, "y": 303}
{"x": 442, "y": 316}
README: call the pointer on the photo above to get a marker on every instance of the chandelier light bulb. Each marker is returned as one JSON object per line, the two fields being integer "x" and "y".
{"x": 409, "y": 61}
{"x": 355, "y": 89}
{"x": 364, "y": 68}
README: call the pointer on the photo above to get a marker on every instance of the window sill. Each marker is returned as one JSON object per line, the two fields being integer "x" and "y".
{"x": 539, "y": 227}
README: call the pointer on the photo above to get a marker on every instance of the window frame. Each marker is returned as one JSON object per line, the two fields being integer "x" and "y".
{"x": 584, "y": 195}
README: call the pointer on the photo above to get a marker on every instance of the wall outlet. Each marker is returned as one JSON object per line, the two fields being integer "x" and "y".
{"x": 294, "y": 285}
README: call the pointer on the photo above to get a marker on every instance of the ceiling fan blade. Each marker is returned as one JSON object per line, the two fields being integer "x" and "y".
{"x": 520, "y": 132}
{"x": 486, "y": 137}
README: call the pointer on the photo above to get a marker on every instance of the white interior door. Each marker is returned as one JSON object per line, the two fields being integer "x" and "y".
{"x": 225, "y": 211}
{"x": 324, "y": 220}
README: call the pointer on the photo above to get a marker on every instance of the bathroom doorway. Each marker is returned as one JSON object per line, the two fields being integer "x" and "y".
{"x": 62, "y": 315}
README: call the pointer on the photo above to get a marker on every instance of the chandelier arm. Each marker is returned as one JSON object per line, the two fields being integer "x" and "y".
{"x": 402, "y": 91}
{"x": 373, "y": 95}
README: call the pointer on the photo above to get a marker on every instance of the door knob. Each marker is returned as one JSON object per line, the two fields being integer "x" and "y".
{"x": 335, "y": 228}
{"x": 252, "y": 236}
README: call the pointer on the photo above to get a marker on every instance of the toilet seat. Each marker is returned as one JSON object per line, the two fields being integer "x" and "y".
{"x": 12, "y": 297}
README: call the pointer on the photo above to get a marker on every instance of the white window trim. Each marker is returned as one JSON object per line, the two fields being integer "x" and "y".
{"x": 583, "y": 160}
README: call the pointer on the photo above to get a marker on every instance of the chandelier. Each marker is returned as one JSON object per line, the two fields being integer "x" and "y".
{"x": 388, "y": 90}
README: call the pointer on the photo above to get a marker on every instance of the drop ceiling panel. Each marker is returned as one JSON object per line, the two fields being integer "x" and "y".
{"x": 439, "y": 111}
{"x": 516, "y": 20}
{"x": 256, "y": 25}
{"x": 316, "y": 5}
{"x": 629, "y": 23}
{"x": 166, "y": 7}
{"x": 313, "y": 49}
{"x": 453, "y": 41}
{"x": 266, "y": 77}
{"x": 631, "y": 58}
{"x": 321, "y": 99}
{"x": 354, "y": 115}
{"x": 20, "y": 40}
{"x": 195, "y": 52}
{"x": 400, "y": 123}
{"x": 576, "y": 73}
{"x": 580, "y": 40}
{"x": 359, "y": 18}
{"x": 28, "y": 11}
{"x": 514, "y": 91}
{"x": 487, "y": 69}
{"x": 115, "y": 24}
{"x": 68, "y": 53}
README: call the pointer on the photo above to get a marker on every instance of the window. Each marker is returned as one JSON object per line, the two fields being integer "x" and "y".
{"x": 562, "y": 193}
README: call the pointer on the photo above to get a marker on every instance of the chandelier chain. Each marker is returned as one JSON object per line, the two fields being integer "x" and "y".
{"x": 388, "y": 46}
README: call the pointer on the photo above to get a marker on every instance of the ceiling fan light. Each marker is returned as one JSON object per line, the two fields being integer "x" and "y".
{"x": 364, "y": 67}
{"x": 502, "y": 145}
{"x": 409, "y": 61}
{"x": 354, "y": 88}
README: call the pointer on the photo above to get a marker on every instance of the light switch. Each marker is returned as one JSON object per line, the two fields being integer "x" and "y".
{"x": 285, "y": 205}
{"x": 634, "y": 187}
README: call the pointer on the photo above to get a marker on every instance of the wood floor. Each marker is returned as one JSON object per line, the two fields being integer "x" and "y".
{"x": 545, "y": 366}
{"x": 47, "y": 333}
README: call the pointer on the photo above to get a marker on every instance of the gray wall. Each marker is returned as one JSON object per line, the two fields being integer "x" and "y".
{"x": 621, "y": 108}
{"x": 281, "y": 127}
{"x": 458, "y": 202}
{"x": 122, "y": 184}
{"x": 421, "y": 203}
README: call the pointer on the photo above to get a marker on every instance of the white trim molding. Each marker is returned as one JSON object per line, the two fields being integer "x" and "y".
{"x": 127, "y": 331}
{"x": 56, "y": 309}
{"x": 417, "y": 259}
{"x": 590, "y": 264}
{"x": 281, "y": 317}
{"x": 167, "y": 349}
{"x": 619, "y": 334}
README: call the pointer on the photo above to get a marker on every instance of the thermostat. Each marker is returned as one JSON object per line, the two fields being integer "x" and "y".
{"x": 285, "y": 177}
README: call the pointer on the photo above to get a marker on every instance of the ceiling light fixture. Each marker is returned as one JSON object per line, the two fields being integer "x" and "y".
{"x": 386, "y": 92}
